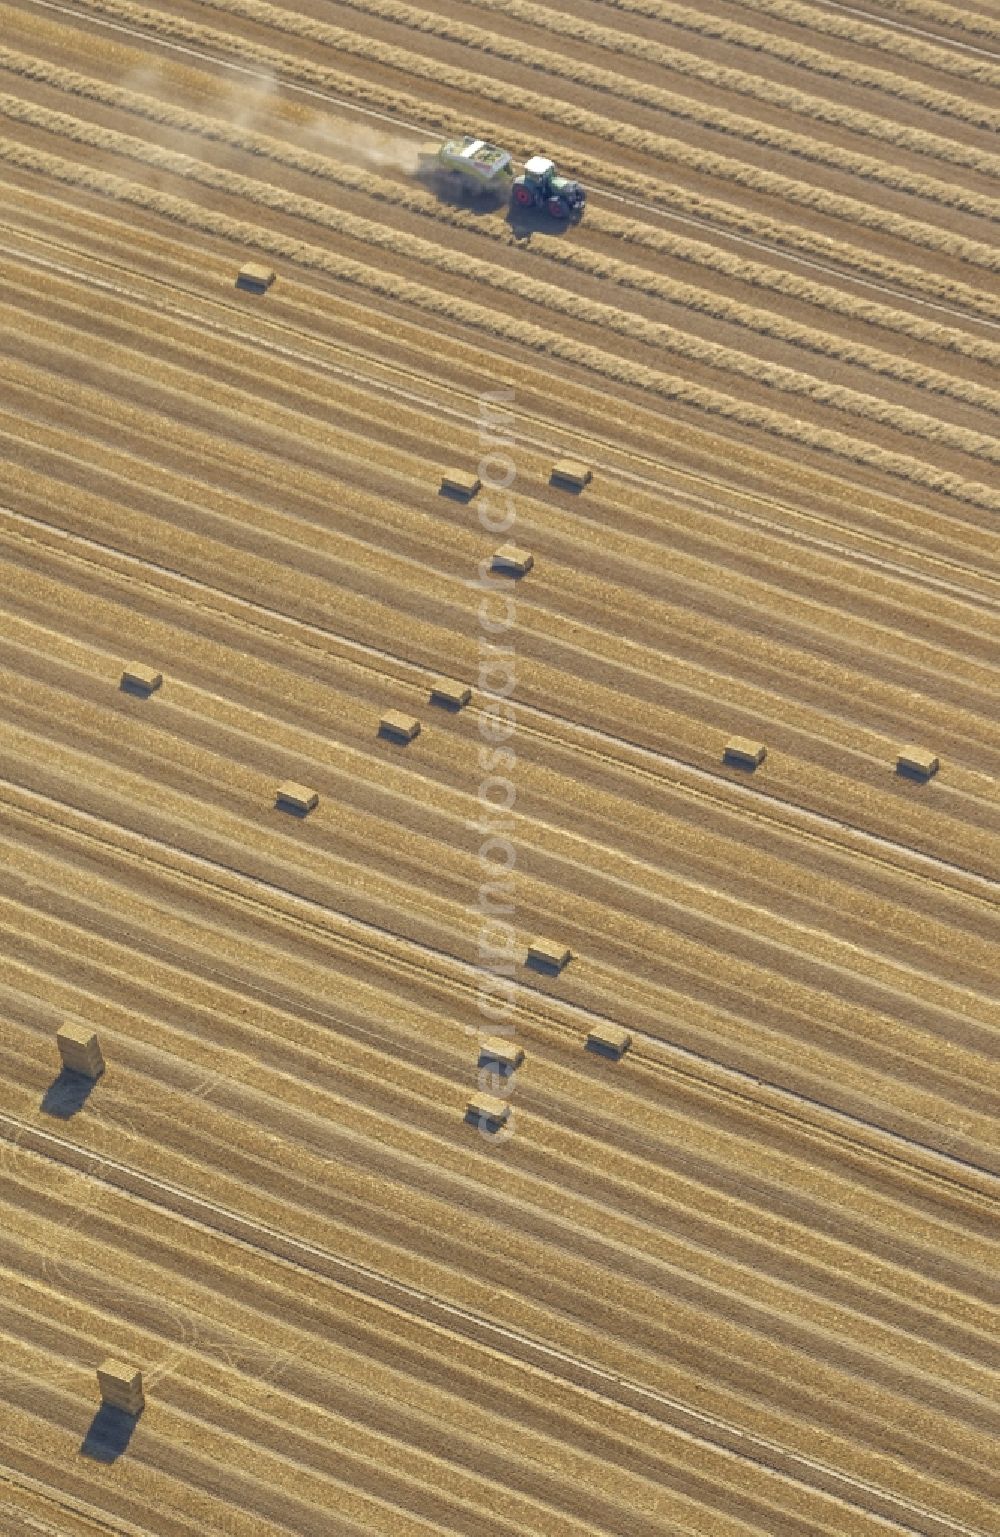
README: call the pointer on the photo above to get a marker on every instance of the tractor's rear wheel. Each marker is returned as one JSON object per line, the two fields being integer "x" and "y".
{"x": 557, "y": 208}
{"x": 523, "y": 196}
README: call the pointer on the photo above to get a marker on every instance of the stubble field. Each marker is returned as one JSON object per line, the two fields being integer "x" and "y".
{"x": 745, "y": 1280}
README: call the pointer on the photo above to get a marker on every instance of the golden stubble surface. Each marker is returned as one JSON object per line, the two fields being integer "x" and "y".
{"x": 743, "y": 1281}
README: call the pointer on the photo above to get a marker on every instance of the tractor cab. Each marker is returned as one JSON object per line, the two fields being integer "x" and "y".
{"x": 540, "y": 170}
{"x": 539, "y": 186}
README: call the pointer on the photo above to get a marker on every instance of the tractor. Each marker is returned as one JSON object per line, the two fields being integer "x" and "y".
{"x": 468, "y": 167}
{"x": 540, "y": 187}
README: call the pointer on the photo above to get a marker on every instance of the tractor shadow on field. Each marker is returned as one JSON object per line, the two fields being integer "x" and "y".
{"x": 454, "y": 196}
{"x": 525, "y": 223}
{"x": 66, "y": 1094}
{"x": 108, "y": 1434}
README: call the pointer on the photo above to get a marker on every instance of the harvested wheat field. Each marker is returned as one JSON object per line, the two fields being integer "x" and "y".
{"x": 498, "y": 769}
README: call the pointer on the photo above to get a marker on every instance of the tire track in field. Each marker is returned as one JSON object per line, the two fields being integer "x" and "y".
{"x": 593, "y": 360}
{"x": 77, "y": 1509}
{"x": 647, "y": 1476}
{"x": 608, "y": 268}
{"x": 421, "y": 961}
{"x": 881, "y": 37}
{"x": 815, "y": 1148}
{"x": 875, "y": 1088}
{"x": 591, "y": 315}
{"x": 58, "y": 1269}
{"x": 790, "y": 680}
{"x": 777, "y": 1286}
{"x": 645, "y": 94}
{"x": 812, "y": 1158}
{"x": 758, "y": 87}
{"x": 300, "y": 728}
{"x": 697, "y": 782}
{"x": 947, "y": 15}
{"x": 675, "y": 1165}
{"x": 550, "y": 429}
{"x": 527, "y": 1350}
{"x": 340, "y": 89}
{"x": 841, "y": 969}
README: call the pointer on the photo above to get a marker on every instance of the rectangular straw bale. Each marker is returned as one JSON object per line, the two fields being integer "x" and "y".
{"x": 298, "y": 797}
{"x": 80, "y": 1050}
{"x": 402, "y": 727}
{"x": 745, "y": 752}
{"x": 609, "y": 1040}
{"x": 460, "y": 483}
{"x": 917, "y": 762}
{"x": 547, "y": 952}
{"x": 487, "y": 1109}
{"x": 136, "y": 675}
{"x": 120, "y": 1385}
{"x": 255, "y": 277}
{"x": 571, "y": 472}
{"x": 506, "y": 1053}
{"x": 448, "y": 691}
{"x": 513, "y": 559}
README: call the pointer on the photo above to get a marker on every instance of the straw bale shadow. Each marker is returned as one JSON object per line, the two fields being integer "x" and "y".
{"x": 542, "y": 967}
{"x": 913, "y": 775}
{"x": 66, "y": 1094}
{"x": 602, "y": 1049}
{"x": 108, "y": 1434}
